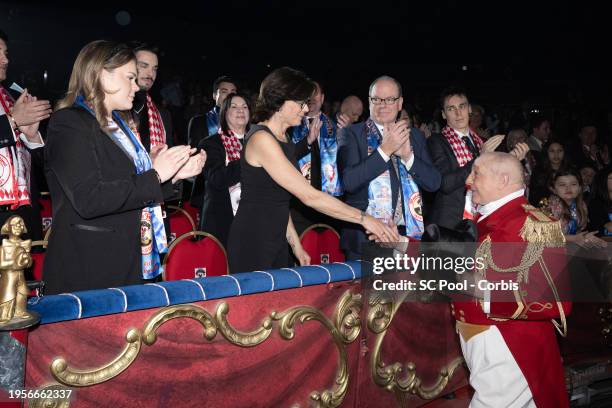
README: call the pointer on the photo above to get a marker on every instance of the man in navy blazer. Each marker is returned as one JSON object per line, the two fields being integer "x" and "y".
{"x": 359, "y": 164}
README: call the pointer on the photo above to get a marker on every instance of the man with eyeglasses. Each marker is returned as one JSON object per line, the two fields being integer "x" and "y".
{"x": 383, "y": 165}
{"x": 316, "y": 151}
{"x": 453, "y": 152}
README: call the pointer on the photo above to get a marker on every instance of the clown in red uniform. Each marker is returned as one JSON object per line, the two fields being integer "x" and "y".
{"x": 508, "y": 336}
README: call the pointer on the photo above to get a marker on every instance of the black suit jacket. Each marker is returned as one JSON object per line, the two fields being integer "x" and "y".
{"x": 449, "y": 201}
{"x": 142, "y": 118}
{"x": 357, "y": 169}
{"x": 217, "y": 214}
{"x": 197, "y": 130}
{"x": 97, "y": 201}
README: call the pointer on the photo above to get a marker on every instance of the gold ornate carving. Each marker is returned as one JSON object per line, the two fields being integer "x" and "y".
{"x": 345, "y": 316}
{"x": 50, "y": 402}
{"x": 344, "y": 328}
{"x": 396, "y": 378}
{"x": 84, "y": 378}
{"x": 149, "y": 334}
{"x": 239, "y": 338}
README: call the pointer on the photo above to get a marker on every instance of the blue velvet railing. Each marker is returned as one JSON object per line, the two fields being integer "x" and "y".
{"x": 80, "y": 305}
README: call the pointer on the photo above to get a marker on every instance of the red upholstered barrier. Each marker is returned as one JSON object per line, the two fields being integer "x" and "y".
{"x": 183, "y": 369}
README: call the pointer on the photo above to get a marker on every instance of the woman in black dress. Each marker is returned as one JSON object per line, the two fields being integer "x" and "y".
{"x": 262, "y": 226}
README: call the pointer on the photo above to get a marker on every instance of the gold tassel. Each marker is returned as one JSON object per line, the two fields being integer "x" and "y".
{"x": 542, "y": 231}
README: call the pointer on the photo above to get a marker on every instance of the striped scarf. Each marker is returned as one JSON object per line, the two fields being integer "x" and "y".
{"x": 232, "y": 145}
{"x": 15, "y": 165}
{"x": 460, "y": 149}
{"x": 157, "y": 132}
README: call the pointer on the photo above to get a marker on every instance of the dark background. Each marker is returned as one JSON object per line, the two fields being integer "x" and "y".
{"x": 546, "y": 53}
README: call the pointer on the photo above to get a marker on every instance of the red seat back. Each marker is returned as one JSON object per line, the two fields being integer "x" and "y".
{"x": 322, "y": 243}
{"x": 189, "y": 258}
{"x": 192, "y": 211}
{"x": 46, "y": 212}
{"x": 180, "y": 222}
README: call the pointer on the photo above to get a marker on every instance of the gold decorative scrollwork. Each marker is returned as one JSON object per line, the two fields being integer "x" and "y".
{"x": 149, "y": 334}
{"x": 50, "y": 402}
{"x": 240, "y": 338}
{"x": 345, "y": 317}
{"x": 344, "y": 328}
{"x": 396, "y": 378}
{"x": 84, "y": 378}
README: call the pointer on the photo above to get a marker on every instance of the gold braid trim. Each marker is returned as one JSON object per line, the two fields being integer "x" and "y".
{"x": 540, "y": 229}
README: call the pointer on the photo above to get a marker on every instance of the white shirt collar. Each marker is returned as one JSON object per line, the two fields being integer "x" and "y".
{"x": 461, "y": 134}
{"x": 490, "y": 208}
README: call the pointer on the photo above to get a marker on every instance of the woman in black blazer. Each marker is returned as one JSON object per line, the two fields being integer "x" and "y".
{"x": 105, "y": 188}
{"x": 221, "y": 173}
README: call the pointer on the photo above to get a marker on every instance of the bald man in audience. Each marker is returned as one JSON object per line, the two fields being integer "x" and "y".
{"x": 352, "y": 108}
{"x": 508, "y": 341}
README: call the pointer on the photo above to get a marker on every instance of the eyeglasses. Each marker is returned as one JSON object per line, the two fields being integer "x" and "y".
{"x": 379, "y": 101}
{"x": 303, "y": 104}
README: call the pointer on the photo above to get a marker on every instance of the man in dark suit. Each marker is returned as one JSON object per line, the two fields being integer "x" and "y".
{"x": 383, "y": 164}
{"x": 453, "y": 152}
{"x": 154, "y": 123}
{"x": 316, "y": 152}
{"x": 202, "y": 126}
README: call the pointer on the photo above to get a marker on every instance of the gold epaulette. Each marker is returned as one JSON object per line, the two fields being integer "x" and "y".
{"x": 540, "y": 228}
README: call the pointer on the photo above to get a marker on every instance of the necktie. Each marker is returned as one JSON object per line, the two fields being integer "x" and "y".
{"x": 470, "y": 146}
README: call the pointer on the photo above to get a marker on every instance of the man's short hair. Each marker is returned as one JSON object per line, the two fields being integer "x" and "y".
{"x": 3, "y": 36}
{"x": 385, "y": 78}
{"x": 452, "y": 91}
{"x": 223, "y": 78}
{"x": 142, "y": 46}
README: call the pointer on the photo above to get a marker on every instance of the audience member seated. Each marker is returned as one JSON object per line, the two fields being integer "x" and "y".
{"x": 600, "y": 206}
{"x": 566, "y": 205}
{"x": 587, "y": 151}
{"x": 477, "y": 122}
{"x": 552, "y": 159}
{"x": 588, "y": 175}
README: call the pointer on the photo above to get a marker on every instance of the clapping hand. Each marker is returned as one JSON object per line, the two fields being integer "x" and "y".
{"x": 27, "y": 112}
{"x": 315, "y": 128}
{"x": 520, "y": 151}
{"x": 168, "y": 161}
{"x": 343, "y": 120}
{"x": 492, "y": 144}
{"x": 394, "y": 136}
{"x": 192, "y": 168}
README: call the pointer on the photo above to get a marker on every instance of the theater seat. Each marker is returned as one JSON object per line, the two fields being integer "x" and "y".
{"x": 46, "y": 213}
{"x": 322, "y": 243}
{"x": 193, "y": 211}
{"x": 195, "y": 254}
{"x": 180, "y": 222}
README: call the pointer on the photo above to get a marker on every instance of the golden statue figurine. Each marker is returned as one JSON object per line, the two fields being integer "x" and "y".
{"x": 14, "y": 258}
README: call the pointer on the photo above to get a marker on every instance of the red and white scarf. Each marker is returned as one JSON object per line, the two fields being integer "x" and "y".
{"x": 15, "y": 164}
{"x": 460, "y": 149}
{"x": 232, "y": 145}
{"x": 157, "y": 132}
